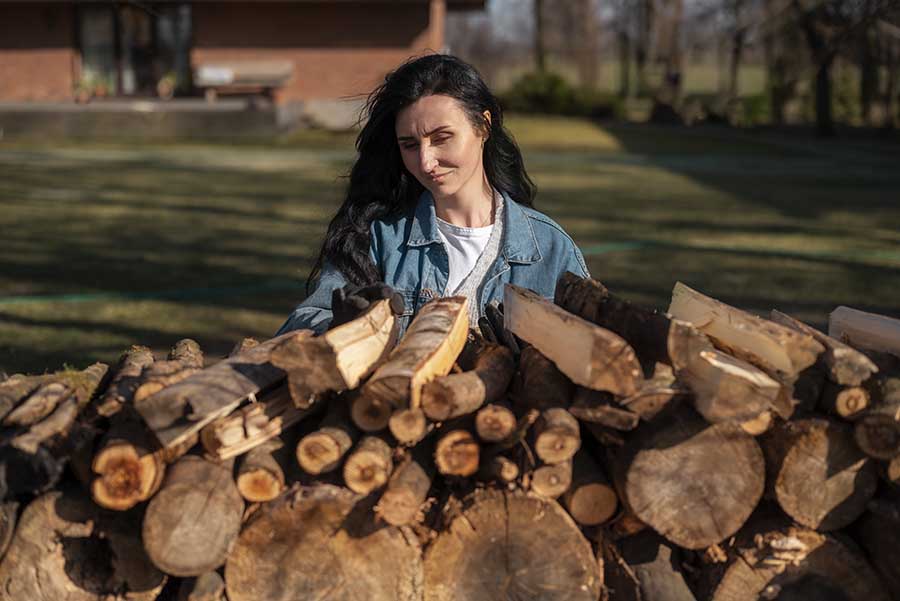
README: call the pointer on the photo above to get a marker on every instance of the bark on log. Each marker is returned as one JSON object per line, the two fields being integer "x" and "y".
{"x": 457, "y": 453}
{"x": 657, "y": 393}
{"x": 184, "y": 360}
{"x": 556, "y": 436}
{"x": 128, "y": 469}
{"x": 877, "y": 431}
{"x": 495, "y": 422}
{"x": 455, "y": 395}
{"x": 125, "y": 380}
{"x": 878, "y": 533}
{"x": 323, "y": 450}
{"x": 507, "y": 545}
{"x": 552, "y": 480}
{"x": 206, "y": 587}
{"x": 428, "y": 350}
{"x": 320, "y": 543}
{"x": 591, "y": 500}
{"x": 774, "y": 348}
{"x": 65, "y": 547}
{"x": 669, "y": 478}
{"x": 408, "y": 426}
{"x": 863, "y": 330}
{"x": 589, "y": 355}
{"x": 8, "y": 518}
{"x": 369, "y": 466}
{"x": 819, "y": 477}
{"x": 16, "y": 388}
{"x": 600, "y": 408}
{"x": 406, "y": 491}
{"x": 260, "y": 477}
{"x": 844, "y": 364}
{"x": 656, "y": 566}
{"x": 538, "y": 383}
{"x": 340, "y": 358}
{"x": 192, "y": 522}
{"x": 38, "y": 405}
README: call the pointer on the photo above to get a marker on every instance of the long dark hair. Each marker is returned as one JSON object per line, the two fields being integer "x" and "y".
{"x": 380, "y": 186}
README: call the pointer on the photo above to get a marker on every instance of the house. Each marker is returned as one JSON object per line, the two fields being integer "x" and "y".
{"x": 301, "y": 53}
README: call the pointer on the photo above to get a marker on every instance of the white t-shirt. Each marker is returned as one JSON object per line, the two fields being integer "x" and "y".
{"x": 464, "y": 245}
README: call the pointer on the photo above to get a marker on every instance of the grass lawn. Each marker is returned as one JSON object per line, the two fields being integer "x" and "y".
{"x": 109, "y": 245}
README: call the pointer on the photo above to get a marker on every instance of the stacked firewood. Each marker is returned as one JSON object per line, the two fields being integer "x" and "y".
{"x": 616, "y": 452}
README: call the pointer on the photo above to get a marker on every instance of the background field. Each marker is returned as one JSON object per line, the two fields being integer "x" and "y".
{"x": 105, "y": 246}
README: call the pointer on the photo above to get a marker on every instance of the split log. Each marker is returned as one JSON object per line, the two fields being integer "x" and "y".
{"x": 206, "y": 587}
{"x": 667, "y": 476}
{"x": 406, "y": 491}
{"x": 341, "y": 358}
{"x": 508, "y": 545}
{"x": 38, "y": 405}
{"x": 844, "y": 364}
{"x": 599, "y": 407}
{"x": 428, "y": 350}
{"x": 878, "y": 533}
{"x": 319, "y": 543}
{"x": 863, "y": 330}
{"x": 877, "y": 431}
{"x": 797, "y": 564}
{"x": 260, "y": 477}
{"x": 183, "y": 409}
{"x": 16, "y": 388}
{"x": 847, "y": 402}
{"x": 591, "y": 500}
{"x": 125, "y": 381}
{"x": 656, "y": 567}
{"x": 408, "y": 426}
{"x": 184, "y": 360}
{"x": 323, "y": 450}
{"x": 65, "y": 547}
{"x": 589, "y": 355}
{"x": 370, "y": 414}
{"x": 128, "y": 470}
{"x": 774, "y": 348}
{"x": 8, "y": 518}
{"x": 495, "y": 422}
{"x": 819, "y": 477}
{"x": 192, "y": 522}
{"x": 538, "y": 383}
{"x": 457, "y": 453}
{"x": 369, "y": 466}
{"x": 455, "y": 395}
{"x": 556, "y": 436}
{"x": 552, "y": 480}
{"x": 655, "y": 395}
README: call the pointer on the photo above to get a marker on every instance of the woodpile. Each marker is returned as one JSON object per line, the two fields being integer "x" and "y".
{"x": 621, "y": 453}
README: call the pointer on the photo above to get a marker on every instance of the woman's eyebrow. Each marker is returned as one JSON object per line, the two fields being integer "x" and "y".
{"x": 427, "y": 133}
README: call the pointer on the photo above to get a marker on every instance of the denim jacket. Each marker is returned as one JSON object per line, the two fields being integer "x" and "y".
{"x": 408, "y": 252}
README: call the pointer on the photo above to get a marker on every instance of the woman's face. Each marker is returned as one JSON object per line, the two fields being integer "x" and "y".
{"x": 440, "y": 146}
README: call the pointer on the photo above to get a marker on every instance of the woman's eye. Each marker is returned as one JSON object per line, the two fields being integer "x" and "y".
{"x": 441, "y": 140}
{"x": 409, "y": 146}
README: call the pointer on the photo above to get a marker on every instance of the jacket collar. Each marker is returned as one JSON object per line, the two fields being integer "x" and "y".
{"x": 519, "y": 242}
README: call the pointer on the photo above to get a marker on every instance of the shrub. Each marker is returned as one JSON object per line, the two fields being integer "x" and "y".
{"x": 549, "y": 93}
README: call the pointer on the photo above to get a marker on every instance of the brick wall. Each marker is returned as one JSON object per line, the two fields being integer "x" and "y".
{"x": 37, "y": 56}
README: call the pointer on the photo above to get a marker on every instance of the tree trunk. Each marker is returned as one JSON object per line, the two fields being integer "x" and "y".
{"x": 824, "y": 118}
{"x": 194, "y": 519}
{"x": 540, "y": 59}
{"x": 320, "y": 543}
{"x": 508, "y": 545}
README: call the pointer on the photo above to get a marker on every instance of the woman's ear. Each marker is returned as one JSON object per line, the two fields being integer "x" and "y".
{"x": 487, "y": 123}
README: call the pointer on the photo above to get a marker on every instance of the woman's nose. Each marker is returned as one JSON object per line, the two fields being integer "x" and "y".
{"x": 427, "y": 160}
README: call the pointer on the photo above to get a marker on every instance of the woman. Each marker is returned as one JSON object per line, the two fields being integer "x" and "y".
{"x": 438, "y": 204}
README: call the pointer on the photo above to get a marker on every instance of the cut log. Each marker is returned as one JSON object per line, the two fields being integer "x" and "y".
{"x": 260, "y": 477}
{"x": 370, "y": 414}
{"x": 319, "y": 543}
{"x": 125, "y": 380}
{"x": 878, "y": 533}
{"x": 760, "y": 424}
{"x": 591, "y": 500}
{"x": 818, "y": 475}
{"x": 556, "y": 436}
{"x": 128, "y": 470}
{"x": 323, "y": 450}
{"x": 508, "y": 545}
{"x": 844, "y": 364}
{"x": 8, "y": 518}
{"x": 668, "y": 477}
{"x": 863, "y": 330}
{"x": 877, "y": 431}
{"x": 184, "y": 360}
{"x": 192, "y": 522}
{"x": 406, "y": 491}
{"x": 538, "y": 383}
{"x": 340, "y": 358}
{"x": 16, "y": 388}
{"x": 65, "y": 547}
{"x": 599, "y": 408}
{"x": 455, "y": 395}
{"x": 183, "y": 409}
{"x": 552, "y": 480}
{"x": 243, "y": 346}
{"x": 457, "y": 453}
{"x": 206, "y": 587}
{"x": 188, "y": 353}
{"x": 499, "y": 468}
{"x": 369, "y": 466}
{"x": 774, "y": 348}
{"x": 892, "y": 471}
{"x": 656, "y": 568}
{"x": 589, "y": 355}
{"x": 495, "y": 422}
{"x": 798, "y": 564}
{"x": 408, "y": 426}
{"x": 847, "y": 402}
{"x": 428, "y": 350}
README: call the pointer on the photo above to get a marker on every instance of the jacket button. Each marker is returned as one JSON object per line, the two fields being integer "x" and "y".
{"x": 428, "y": 293}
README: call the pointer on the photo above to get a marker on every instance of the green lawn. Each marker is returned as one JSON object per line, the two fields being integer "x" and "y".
{"x": 108, "y": 245}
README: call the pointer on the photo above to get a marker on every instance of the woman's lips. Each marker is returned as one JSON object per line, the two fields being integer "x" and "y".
{"x": 439, "y": 177}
